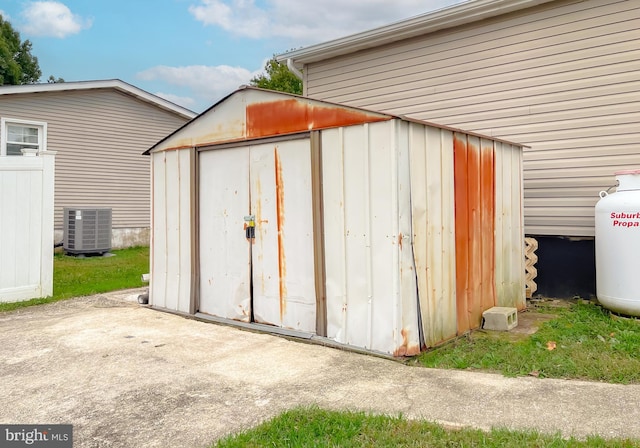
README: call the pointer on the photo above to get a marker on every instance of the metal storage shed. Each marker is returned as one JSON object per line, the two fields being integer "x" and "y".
{"x": 371, "y": 230}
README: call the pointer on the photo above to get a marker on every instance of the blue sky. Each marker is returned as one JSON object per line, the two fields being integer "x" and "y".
{"x": 191, "y": 52}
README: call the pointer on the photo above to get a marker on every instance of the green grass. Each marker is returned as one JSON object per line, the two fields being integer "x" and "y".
{"x": 313, "y": 427}
{"x": 74, "y": 277}
{"x": 590, "y": 344}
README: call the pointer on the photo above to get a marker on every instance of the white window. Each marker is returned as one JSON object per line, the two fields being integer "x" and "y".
{"x": 22, "y": 134}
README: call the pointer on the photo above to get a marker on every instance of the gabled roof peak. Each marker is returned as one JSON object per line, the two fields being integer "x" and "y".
{"x": 116, "y": 84}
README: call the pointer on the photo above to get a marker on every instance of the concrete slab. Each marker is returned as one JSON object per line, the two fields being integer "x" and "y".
{"x": 125, "y": 375}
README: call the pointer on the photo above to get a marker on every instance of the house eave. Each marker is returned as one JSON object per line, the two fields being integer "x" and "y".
{"x": 101, "y": 84}
{"x": 460, "y": 14}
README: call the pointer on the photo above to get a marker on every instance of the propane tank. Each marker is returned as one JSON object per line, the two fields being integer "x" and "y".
{"x": 618, "y": 245}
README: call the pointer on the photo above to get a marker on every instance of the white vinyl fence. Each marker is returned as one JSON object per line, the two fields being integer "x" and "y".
{"x": 26, "y": 226}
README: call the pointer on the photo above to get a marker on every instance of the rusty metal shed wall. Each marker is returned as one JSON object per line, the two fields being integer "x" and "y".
{"x": 172, "y": 231}
{"x": 466, "y": 195}
{"x": 474, "y": 186}
{"x": 268, "y": 278}
{"x": 433, "y": 214}
{"x": 411, "y": 208}
{"x": 225, "y": 121}
{"x": 509, "y": 227}
{"x": 252, "y": 113}
{"x": 370, "y": 279}
{"x": 421, "y": 225}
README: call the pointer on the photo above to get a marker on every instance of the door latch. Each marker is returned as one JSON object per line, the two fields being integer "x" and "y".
{"x": 250, "y": 226}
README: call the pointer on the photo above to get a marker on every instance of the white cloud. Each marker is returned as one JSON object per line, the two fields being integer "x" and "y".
{"x": 53, "y": 19}
{"x": 184, "y": 101}
{"x": 300, "y": 22}
{"x": 207, "y": 83}
{"x": 241, "y": 17}
{"x": 307, "y": 22}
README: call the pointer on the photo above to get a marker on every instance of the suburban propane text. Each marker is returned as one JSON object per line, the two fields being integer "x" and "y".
{"x": 623, "y": 219}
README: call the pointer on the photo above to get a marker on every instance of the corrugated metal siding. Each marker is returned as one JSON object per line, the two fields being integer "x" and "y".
{"x": 509, "y": 227}
{"x": 459, "y": 241}
{"x": 251, "y": 113}
{"x": 370, "y": 282}
{"x": 283, "y": 262}
{"x": 272, "y": 183}
{"x": 100, "y": 136}
{"x": 432, "y": 200}
{"x": 224, "y": 253}
{"x": 172, "y": 231}
{"x": 390, "y": 198}
{"x": 562, "y": 77}
{"x": 475, "y": 231}
{"x": 466, "y": 196}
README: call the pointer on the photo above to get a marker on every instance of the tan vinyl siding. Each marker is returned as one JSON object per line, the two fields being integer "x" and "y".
{"x": 563, "y": 78}
{"x": 99, "y": 136}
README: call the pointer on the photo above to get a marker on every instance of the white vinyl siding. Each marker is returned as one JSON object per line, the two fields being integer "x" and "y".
{"x": 99, "y": 136}
{"x": 563, "y": 78}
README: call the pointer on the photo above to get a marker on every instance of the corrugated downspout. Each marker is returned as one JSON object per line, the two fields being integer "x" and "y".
{"x": 292, "y": 68}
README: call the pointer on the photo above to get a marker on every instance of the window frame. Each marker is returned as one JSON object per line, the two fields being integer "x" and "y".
{"x": 6, "y": 122}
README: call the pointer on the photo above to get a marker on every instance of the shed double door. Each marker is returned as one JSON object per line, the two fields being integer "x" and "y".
{"x": 264, "y": 275}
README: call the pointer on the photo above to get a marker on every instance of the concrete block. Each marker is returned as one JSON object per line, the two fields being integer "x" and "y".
{"x": 500, "y": 318}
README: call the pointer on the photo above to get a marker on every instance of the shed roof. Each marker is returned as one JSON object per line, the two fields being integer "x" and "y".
{"x": 115, "y": 84}
{"x": 251, "y": 113}
{"x": 456, "y": 15}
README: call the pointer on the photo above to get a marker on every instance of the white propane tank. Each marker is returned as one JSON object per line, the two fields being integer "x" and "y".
{"x": 618, "y": 245}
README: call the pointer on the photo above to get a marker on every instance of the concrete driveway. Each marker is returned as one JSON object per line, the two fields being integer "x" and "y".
{"x": 128, "y": 376}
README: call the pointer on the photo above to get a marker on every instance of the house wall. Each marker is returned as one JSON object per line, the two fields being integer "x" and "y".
{"x": 99, "y": 136}
{"x": 562, "y": 78}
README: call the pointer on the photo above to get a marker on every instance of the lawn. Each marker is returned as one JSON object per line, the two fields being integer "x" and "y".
{"x": 77, "y": 276}
{"x": 585, "y": 341}
{"x": 313, "y": 427}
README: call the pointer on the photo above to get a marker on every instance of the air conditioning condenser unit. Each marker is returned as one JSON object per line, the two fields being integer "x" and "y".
{"x": 87, "y": 230}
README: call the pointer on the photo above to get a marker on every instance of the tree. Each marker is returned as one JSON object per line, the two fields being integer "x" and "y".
{"x": 278, "y": 77}
{"x": 53, "y": 80}
{"x": 17, "y": 64}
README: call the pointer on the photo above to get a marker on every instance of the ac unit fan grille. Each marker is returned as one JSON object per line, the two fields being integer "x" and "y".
{"x": 87, "y": 230}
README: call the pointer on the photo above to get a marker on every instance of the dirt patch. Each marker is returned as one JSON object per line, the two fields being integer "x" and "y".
{"x": 529, "y": 322}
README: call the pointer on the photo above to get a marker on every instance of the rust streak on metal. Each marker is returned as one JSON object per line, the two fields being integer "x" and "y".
{"x": 258, "y": 213}
{"x": 405, "y": 349}
{"x": 474, "y": 225}
{"x": 400, "y": 240}
{"x": 460, "y": 165}
{"x": 295, "y": 115}
{"x": 475, "y": 230}
{"x": 282, "y": 263}
{"x": 487, "y": 166}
